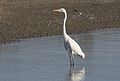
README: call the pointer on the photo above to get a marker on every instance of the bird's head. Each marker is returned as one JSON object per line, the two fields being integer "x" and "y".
{"x": 60, "y": 10}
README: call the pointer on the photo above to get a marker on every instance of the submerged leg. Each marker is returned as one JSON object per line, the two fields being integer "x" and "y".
{"x": 71, "y": 70}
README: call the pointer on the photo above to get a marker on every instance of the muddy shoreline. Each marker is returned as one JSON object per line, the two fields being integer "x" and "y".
{"x": 29, "y": 19}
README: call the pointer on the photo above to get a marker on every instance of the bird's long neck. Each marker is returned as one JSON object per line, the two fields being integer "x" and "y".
{"x": 64, "y": 24}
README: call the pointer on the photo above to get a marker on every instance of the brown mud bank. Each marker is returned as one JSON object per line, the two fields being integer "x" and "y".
{"x": 21, "y": 19}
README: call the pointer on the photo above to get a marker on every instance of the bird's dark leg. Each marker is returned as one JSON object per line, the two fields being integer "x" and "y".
{"x": 70, "y": 58}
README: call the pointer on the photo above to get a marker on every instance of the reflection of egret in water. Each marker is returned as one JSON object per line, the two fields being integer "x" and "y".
{"x": 76, "y": 74}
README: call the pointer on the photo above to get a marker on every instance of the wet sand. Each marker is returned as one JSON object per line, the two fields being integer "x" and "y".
{"x": 21, "y": 19}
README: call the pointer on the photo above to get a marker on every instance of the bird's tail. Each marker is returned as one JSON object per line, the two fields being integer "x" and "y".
{"x": 82, "y": 55}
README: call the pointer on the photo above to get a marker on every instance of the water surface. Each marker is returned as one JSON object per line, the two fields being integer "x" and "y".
{"x": 45, "y": 59}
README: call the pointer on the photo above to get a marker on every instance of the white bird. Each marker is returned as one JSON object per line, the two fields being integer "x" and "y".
{"x": 70, "y": 45}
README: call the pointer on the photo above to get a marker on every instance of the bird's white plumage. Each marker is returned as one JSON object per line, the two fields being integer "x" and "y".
{"x": 71, "y": 46}
{"x": 75, "y": 47}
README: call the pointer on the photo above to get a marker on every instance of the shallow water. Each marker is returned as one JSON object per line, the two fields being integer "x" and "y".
{"x": 45, "y": 59}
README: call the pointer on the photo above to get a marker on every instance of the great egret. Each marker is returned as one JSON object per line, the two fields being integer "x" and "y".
{"x": 70, "y": 45}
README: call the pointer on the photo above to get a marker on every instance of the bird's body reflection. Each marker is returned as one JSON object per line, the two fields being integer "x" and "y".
{"x": 76, "y": 74}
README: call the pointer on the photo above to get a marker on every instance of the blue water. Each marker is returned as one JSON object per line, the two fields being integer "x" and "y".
{"x": 45, "y": 59}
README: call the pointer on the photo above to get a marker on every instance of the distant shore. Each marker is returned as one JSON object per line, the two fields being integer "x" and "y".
{"x": 29, "y": 19}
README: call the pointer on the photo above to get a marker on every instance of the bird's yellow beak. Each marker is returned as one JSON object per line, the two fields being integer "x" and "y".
{"x": 56, "y": 10}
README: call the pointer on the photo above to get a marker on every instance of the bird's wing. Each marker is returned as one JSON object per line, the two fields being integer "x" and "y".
{"x": 75, "y": 46}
